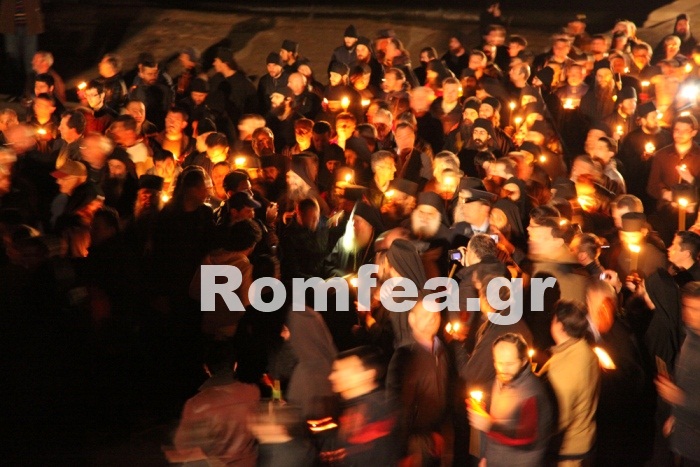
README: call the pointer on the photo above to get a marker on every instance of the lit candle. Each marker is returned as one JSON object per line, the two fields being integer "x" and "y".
{"x": 348, "y": 178}
{"x": 604, "y": 359}
{"x": 366, "y": 102}
{"x": 239, "y": 161}
{"x": 345, "y": 103}
{"x": 649, "y": 148}
{"x": 627, "y": 70}
{"x": 518, "y": 121}
{"x": 634, "y": 260}
{"x": 569, "y": 104}
{"x": 614, "y": 97}
{"x": 353, "y": 281}
{"x": 511, "y": 105}
{"x": 82, "y": 86}
{"x": 41, "y": 131}
{"x": 543, "y": 159}
{"x": 165, "y": 197}
{"x": 530, "y": 354}
{"x": 477, "y": 396}
{"x": 453, "y": 327}
{"x": 618, "y": 130}
{"x": 389, "y": 193}
{"x": 682, "y": 206}
{"x": 685, "y": 113}
{"x": 688, "y": 67}
{"x": 645, "y": 84}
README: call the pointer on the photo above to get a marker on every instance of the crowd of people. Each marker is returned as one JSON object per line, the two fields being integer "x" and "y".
{"x": 580, "y": 164}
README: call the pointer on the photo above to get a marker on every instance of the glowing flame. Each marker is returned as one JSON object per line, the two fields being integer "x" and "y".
{"x": 586, "y": 202}
{"x": 366, "y": 102}
{"x": 345, "y": 103}
{"x": 41, "y": 131}
{"x": 324, "y": 424}
{"x": 627, "y": 70}
{"x": 531, "y": 353}
{"x": 512, "y": 105}
{"x": 452, "y": 327}
{"x": 604, "y": 359}
{"x": 164, "y": 198}
{"x": 477, "y": 396}
{"x": 685, "y": 113}
{"x": 683, "y": 202}
{"x": 689, "y": 92}
{"x": 683, "y": 167}
{"x": 649, "y": 148}
{"x": 348, "y": 178}
{"x": 635, "y": 248}
{"x": 614, "y": 98}
{"x": 645, "y": 84}
{"x": 518, "y": 120}
{"x": 354, "y": 282}
{"x": 688, "y": 67}
{"x": 569, "y": 104}
{"x": 239, "y": 161}
{"x": 543, "y": 159}
{"x": 82, "y": 86}
{"x": 389, "y": 193}
{"x": 618, "y": 130}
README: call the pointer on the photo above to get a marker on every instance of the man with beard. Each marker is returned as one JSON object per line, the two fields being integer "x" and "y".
{"x": 681, "y": 30}
{"x": 429, "y": 127}
{"x": 637, "y": 150}
{"x": 139, "y": 231}
{"x": 156, "y": 96}
{"x": 490, "y": 109}
{"x": 273, "y": 183}
{"x": 303, "y": 243}
{"x": 413, "y": 164}
{"x": 282, "y": 117}
{"x": 365, "y": 56}
{"x": 306, "y": 102}
{"x": 275, "y": 78}
{"x": 346, "y": 53}
{"x": 196, "y": 107}
{"x": 456, "y": 58}
{"x": 121, "y": 185}
{"x": 400, "y": 203}
{"x": 481, "y": 142}
{"x": 384, "y": 169}
{"x": 289, "y": 54}
{"x": 173, "y": 138}
{"x": 102, "y": 115}
{"x": 459, "y": 137}
{"x": 519, "y": 418}
{"x": 301, "y": 184}
{"x": 329, "y": 155}
{"x": 356, "y": 247}
{"x": 429, "y": 233}
{"x": 598, "y": 102}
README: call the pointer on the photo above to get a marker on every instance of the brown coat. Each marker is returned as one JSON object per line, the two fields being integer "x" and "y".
{"x": 35, "y": 19}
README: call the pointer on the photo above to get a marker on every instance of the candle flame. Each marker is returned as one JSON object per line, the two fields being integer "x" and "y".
{"x": 82, "y": 85}
{"x": 366, "y": 102}
{"x": 531, "y": 353}
{"x": 345, "y": 103}
{"x": 41, "y": 131}
{"x": 518, "y": 120}
{"x": 353, "y": 282}
{"x": 478, "y": 396}
{"x": 619, "y": 129}
{"x": 649, "y": 147}
{"x": 683, "y": 202}
{"x": 512, "y": 105}
{"x": 543, "y": 159}
{"x": 635, "y": 248}
{"x": 569, "y": 104}
{"x": 239, "y": 161}
{"x": 645, "y": 84}
{"x": 688, "y": 67}
{"x": 389, "y": 193}
{"x": 164, "y": 197}
{"x": 604, "y": 359}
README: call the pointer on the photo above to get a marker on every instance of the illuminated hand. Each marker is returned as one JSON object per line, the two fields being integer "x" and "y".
{"x": 479, "y": 419}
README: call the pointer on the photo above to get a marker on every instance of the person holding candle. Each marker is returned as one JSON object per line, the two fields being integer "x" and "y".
{"x": 518, "y": 419}
{"x": 623, "y": 121}
{"x": 641, "y": 250}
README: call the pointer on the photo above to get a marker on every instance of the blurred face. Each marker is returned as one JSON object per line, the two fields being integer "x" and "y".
{"x": 137, "y": 110}
{"x": 640, "y": 57}
{"x": 424, "y": 323}
{"x": 219, "y": 65}
{"x": 43, "y": 109}
{"x": 617, "y": 214}
{"x": 217, "y": 176}
{"x": 561, "y": 49}
{"x": 94, "y": 98}
{"x": 149, "y": 75}
{"x": 297, "y": 83}
{"x": 384, "y": 171}
{"x": 105, "y": 69}
{"x": 334, "y": 79}
{"x": 541, "y": 240}
{"x": 147, "y": 197}
{"x": 117, "y": 169}
{"x": 604, "y": 78}
{"x": 514, "y": 49}
{"x": 425, "y": 221}
{"x": 405, "y": 138}
{"x": 682, "y": 27}
{"x": 424, "y": 58}
{"x": 477, "y": 62}
{"x": 454, "y": 45}
{"x": 66, "y": 131}
{"x": 217, "y": 153}
{"x": 598, "y": 46}
{"x": 362, "y": 52}
{"x": 362, "y": 230}
{"x": 672, "y": 47}
{"x": 274, "y": 70}
{"x": 486, "y": 111}
{"x": 450, "y": 93}
{"x": 270, "y": 174}
{"x": 165, "y": 168}
{"x": 42, "y": 88}
{"x": 263, "y": 140}
{"x": 39, "y": 64}
{"x": 295, "y": 182}
{"x": 391, "y": 83}
{"x": 592, "y": 139}
{"x": 683, "y": 133}
{"x": 349, "y": 41}
{"x": 420, "y": 101}
{"x": 651, "y": 122}
{"x": 198, "y": 97}
{"x": 574, "y": 76}
{"x": 602, "y": 152}
{"x": 67, "y": 185}
{"x": 320, "y": 140}
{"x": 629, "y": 106}
{"x": 310, "y": 219}
{"x": 350, "y": 378}
{"x": 303, "y": 137}
{"x": 676, "y": 255}
{"x": 305, "y": 70}
{"x": 507, "y": 362}
{"x": 469, "y": 115}
{"x": 7, "y": 120}
{"x": 344, "y": 128}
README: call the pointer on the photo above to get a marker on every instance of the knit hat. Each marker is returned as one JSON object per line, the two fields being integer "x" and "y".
{"x": 627, "y": 92}
{"x": 290, "y": 46}
{"x": 350, "y": 31}
{"x": 151, "y": 182}
{"x": 199, "y": 85}
{"x": 485, "y": 124}
{"x": 644, "y": 109}
{"x": 340, "y": 68}
{"x": 274, "y": 57}
{"x": 493, "y": 102}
